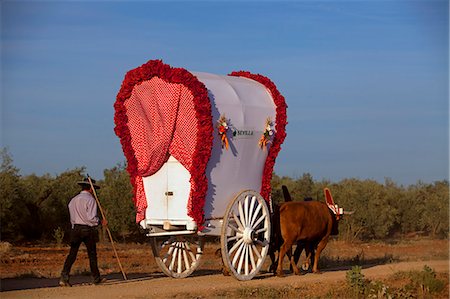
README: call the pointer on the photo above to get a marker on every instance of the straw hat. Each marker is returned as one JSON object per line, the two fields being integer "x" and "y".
{"x": 86, "y": 182}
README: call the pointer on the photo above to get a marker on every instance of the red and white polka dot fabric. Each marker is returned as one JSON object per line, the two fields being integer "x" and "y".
{"x": 161, "y": 120}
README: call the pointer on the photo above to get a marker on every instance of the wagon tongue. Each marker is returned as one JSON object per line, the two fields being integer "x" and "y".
{"x": 331, "y": 205}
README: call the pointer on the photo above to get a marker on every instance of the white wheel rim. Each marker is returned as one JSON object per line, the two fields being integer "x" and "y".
{"x": 246, "y": 233}
{"x": 177, "y": 256}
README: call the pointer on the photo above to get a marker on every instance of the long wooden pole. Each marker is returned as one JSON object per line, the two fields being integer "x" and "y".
{"x": 107, "y": 229}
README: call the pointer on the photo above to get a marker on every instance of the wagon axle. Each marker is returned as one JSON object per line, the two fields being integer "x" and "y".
{"x": 248, "y": 235}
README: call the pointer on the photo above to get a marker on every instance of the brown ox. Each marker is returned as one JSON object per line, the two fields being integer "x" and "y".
{"x": 276, "y": 240}
{"x": 310, "y": 222}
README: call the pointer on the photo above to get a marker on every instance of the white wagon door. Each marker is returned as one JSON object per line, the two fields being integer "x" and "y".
{"x": 178, "y": 188}
{"x": 167, "y": 193}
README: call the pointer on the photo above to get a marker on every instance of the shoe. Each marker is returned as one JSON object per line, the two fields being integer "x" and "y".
{"x": 64, "y": 283}
{"x": 100, "y": 280}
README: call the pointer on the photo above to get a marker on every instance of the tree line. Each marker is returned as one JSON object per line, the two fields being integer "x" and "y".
{"x": 33, "y": 207}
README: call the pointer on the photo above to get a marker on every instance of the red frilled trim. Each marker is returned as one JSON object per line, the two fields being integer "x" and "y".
{"x": 202, "y": 152}
{"x": 280, "y": 128}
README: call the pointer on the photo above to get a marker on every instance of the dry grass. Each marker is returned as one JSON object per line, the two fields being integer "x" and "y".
{"x": 5, "y": 248}
{"x": 47, "y": 261}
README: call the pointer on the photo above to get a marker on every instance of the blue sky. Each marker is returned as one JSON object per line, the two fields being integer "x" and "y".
{"x": 366, "y": 82}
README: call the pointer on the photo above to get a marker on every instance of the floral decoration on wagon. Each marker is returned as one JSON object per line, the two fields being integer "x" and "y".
{"x": 222, "y": 127}
{"x": 266, "y": 137}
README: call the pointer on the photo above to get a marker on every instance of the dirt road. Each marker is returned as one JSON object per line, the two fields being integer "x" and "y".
{"x": 201, "y": 285}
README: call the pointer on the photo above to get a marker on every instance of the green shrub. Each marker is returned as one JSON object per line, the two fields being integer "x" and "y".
{"x": 356, "y": 281}
{"x": 58, "y": 234}
{"x": 425, "y": 281}
{"x": 378, "y": 290}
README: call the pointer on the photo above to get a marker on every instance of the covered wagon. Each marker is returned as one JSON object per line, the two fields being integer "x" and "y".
{"x": 201, "y": 150}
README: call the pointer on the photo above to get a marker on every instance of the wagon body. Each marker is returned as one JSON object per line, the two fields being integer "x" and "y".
{"x": 246, "y": 104}
{"x": 201, "y": 150}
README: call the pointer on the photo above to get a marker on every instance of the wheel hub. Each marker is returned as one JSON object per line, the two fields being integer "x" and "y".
{"x": 248, "y": 235}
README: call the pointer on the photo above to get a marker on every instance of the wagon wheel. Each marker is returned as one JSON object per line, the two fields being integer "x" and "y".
{"x": 245, "y": 235}
{"x": 177, "y": 256}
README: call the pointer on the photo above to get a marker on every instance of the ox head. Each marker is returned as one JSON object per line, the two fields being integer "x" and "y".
{"x": 337, "y": 211}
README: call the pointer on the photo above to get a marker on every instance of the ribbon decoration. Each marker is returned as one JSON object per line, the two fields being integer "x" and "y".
{"x": 222, "y": 127}
{"x": 266, "y": 137}
{"x": 263, "y": 142}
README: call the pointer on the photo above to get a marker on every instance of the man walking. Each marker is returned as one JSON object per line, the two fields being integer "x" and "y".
{"x": 84, "y": 221}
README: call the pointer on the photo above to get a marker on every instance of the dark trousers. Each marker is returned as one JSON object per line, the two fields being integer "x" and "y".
{"x": 89, "y": 236}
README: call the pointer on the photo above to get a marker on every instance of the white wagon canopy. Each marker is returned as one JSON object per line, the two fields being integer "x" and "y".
{"x": 193, "y": 141}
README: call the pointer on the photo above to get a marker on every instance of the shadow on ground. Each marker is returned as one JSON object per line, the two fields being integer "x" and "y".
{"x": 12, "y": 284}
{"x": 23, "y": 283}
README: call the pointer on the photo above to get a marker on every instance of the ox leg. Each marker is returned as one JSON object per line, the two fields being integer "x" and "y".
{"x": 319, "y": 249}
{"x": 272, "y": 267}
{"x": 309, "y": 251}
{"x": 298, "y": 252}
{"x": 287, "y": 245}
{"x": 292, "y": 261}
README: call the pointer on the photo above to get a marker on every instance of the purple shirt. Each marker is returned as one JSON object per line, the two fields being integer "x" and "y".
{"x": 83, "y": 209}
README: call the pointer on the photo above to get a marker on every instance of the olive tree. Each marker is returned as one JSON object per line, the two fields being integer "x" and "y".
{"x": 116, "y": 197}
{"x": 12, "y": 208}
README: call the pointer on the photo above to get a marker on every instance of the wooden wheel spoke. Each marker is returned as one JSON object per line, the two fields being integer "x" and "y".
{"x": 180, "y": 258}
{"x": 172, "y": 262}
{"x": 191, "y": 254}
{"x": 259, "y": 220}
{"x": 169, "y": 253}
{"x": 247, "y": 253}
{"x": 261, "y": 230}
{"x": 246, "y": 221}
{"x": 258, "y": 208}
{"x": 251, "y": 210}
{"x": 241, "y": 258}
{"x": 238, "y": 222}
{"x": 235, "y": 237}
{"x": 238, "y": 254}
{"x": 167, "y": 242}
{"x": 252, "y": 258}
{"x": 241, "y": 213}
{"x": 185, "y": 257}
{"x": 255, "y": 250}
{"x": 236, "y": 245}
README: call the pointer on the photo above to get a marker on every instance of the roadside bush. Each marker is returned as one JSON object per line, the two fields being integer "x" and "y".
{"x": 356, "y": 281}
{"x": 58, "y": 234}
{"x": 378, "y": 290}
{"x": 425, "y": 281}
{"x": 421, "y": 284}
